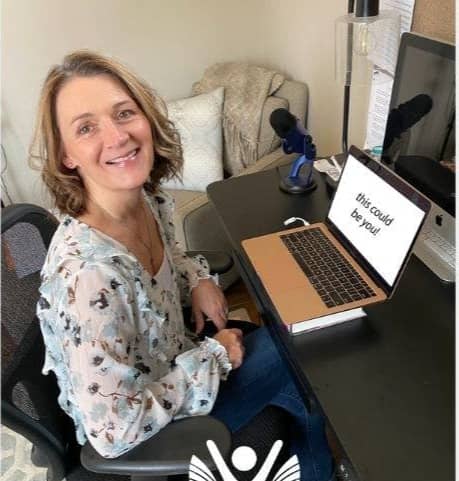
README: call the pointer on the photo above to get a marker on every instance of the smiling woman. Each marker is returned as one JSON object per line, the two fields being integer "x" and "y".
{"x": 114, "y": 279}
{"x": 93, "y": 72}
{"x": 112, "y": 284}
{"x": 110, "y": 144}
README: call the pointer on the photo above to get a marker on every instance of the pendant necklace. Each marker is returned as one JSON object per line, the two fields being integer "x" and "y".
{"x": 148, "y": 247}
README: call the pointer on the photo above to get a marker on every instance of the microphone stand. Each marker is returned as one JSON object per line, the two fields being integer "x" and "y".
{"x": 295, "y": 183}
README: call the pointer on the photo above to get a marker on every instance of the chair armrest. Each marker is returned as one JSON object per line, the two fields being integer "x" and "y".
{"x": 219, "y": 261}
{"x": 166, "y": 453}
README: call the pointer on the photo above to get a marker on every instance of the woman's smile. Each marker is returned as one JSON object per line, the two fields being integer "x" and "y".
{"x": 124, "y": 160}
{"x": 104, "y": 134}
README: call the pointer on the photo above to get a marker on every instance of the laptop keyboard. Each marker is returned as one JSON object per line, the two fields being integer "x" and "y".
{"x": 331, "y": 275}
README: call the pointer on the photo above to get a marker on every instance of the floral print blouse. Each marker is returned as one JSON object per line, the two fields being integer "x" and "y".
{"x": 116, "y": 340}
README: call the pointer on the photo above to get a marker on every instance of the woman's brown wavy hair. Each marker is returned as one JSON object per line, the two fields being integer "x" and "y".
{"x": 46, "y": 151}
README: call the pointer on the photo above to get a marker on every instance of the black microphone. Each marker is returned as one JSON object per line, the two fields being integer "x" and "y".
{"x": 406, "y": 115}
{"x": 295, "y": 138}
{"x": 282, "y": 121}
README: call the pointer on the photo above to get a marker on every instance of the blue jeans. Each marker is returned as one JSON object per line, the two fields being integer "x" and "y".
{"x": 262, "y": 380}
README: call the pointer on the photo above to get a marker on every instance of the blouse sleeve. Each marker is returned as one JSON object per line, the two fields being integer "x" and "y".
{"x": 120, "y": 400}
{"x": 189, "y": 269}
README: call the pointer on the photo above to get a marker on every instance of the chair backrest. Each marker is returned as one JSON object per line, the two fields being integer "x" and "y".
{"x": 29, "y": 399}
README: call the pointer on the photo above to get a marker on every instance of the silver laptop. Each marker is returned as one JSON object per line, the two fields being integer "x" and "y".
{"x": 355, "y": 258}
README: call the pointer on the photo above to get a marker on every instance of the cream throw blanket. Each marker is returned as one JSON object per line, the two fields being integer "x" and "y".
{"x": 246, "y": 88}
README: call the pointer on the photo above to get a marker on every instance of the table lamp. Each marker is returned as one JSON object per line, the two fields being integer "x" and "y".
{"x": 366, "y": 47}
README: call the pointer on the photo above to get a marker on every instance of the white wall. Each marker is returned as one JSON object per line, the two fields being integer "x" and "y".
{"x": 169, "y": 43}
{"x": 299, "y": 39}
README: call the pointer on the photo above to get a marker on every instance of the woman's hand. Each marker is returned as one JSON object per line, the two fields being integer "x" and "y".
{"x": 231, "y": 340}
{"x": 207, "y": 300}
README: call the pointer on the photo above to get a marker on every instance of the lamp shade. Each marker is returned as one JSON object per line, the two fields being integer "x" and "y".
{"x": 366, "y": 47}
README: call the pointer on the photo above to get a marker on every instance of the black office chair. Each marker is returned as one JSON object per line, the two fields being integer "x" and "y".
{"x": 29, "y": 399}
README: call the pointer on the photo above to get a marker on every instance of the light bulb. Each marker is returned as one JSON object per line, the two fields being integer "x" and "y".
{"x": 364, "y": 45}
{"x": 364, "y": 42}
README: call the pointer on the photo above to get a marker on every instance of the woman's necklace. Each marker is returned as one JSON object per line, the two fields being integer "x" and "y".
{"x": 148, "y": 246}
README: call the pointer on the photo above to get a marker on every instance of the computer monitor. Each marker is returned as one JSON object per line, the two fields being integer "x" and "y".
{"x": 420, "y": 140}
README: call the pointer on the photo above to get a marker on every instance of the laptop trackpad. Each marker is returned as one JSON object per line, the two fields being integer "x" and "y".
{"x": 274, "y": 264}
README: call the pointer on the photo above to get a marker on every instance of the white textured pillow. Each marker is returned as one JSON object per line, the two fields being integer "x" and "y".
{"x": 199, "y": 122}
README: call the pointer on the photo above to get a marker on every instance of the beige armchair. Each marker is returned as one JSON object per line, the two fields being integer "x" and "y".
{"x": 197, "y": 225}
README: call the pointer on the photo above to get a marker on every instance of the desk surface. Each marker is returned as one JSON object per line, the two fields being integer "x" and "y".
{"x": 386, "y": 382}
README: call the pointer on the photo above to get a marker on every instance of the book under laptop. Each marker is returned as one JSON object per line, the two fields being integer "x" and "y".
{"x": 354, "y": 259}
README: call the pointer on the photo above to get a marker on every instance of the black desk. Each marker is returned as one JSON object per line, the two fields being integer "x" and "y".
{"x": 386, "y": 382}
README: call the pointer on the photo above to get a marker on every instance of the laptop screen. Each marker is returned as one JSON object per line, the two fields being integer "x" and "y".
{"x": 377, "y": 213}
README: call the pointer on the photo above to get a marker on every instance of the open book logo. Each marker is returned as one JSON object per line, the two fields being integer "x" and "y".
{"x": 244, "y": 459}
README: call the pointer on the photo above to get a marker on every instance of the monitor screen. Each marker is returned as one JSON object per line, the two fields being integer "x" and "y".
{"x": 420, "y": 133}
{"x": 378, "y": 218}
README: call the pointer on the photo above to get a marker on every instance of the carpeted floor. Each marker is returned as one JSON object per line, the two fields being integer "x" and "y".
{"x": 15, "y": 463}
